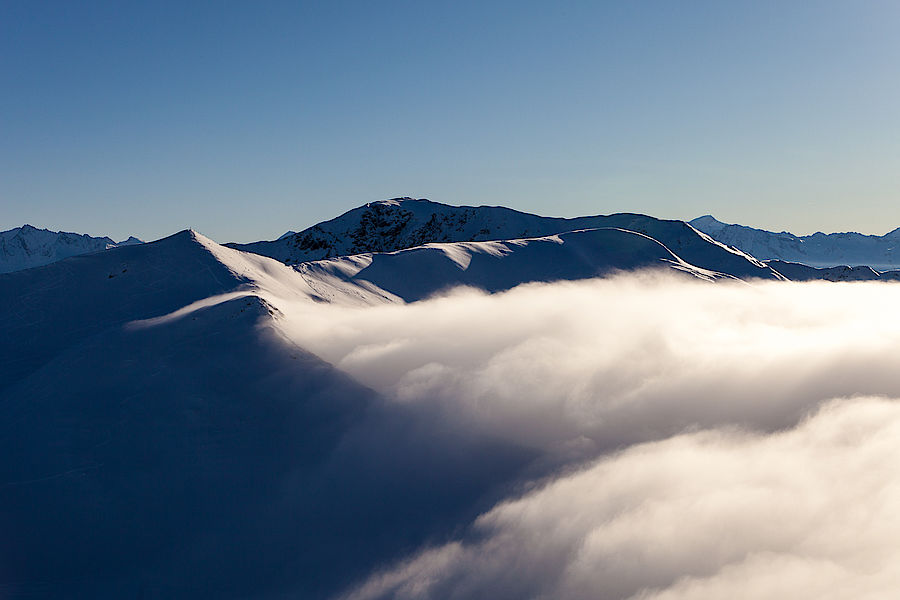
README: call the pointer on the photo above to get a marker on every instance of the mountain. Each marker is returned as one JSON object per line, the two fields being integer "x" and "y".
{"x": 26, "y": 247}
{"x": 164, "y": 439}
{"x": 169, "y": 440}
{"x": 818, "y": 250}
{"x": 801, "y": 272}
{"x": 417, "y": 273}
{"x": 390, "y": 225}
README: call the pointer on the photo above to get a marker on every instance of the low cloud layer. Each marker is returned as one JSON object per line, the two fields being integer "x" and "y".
{"x": 620, "y": 360}
{"x": 670, "y": 420}
{"x": 716, "y": 514}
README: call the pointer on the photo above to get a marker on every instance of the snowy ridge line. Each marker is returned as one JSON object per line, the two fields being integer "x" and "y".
{"x": 404, "y": 223}
{"x": 417, "y": 273}
{"x": 28, "y": 247}
{"x": 731, "y": 249}
{"x": 820, "y": 250}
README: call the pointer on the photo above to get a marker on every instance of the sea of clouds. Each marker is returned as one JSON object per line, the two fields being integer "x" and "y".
{"x": 683, "y": 439}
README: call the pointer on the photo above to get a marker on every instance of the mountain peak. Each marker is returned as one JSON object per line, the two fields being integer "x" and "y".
{"x": 707, "y": 223}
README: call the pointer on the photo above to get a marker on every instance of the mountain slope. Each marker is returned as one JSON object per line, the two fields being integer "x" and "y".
{"x": 817, "y": 250}
{"x": 73, "y": 299}
{"x": 153, "y": 460}
{"x": 26, "y": 247}
{"x": 165, "y": 439}
{"x": 66, "y": 302}
{"x": 400, "y": 223}
{"x": 416, "y": 273}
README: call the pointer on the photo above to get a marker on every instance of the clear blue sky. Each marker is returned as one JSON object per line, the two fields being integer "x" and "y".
{"x": 245, "y": 119}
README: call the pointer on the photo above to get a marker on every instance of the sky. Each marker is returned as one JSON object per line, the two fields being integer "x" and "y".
{"x": 243, "y": 120}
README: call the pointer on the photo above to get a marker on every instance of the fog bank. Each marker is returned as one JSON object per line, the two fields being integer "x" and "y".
{"x": 714, "y": 514}
{"x": 691, "y": 440}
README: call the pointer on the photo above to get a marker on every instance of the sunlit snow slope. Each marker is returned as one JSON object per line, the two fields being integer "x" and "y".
{"x": 416, "y": 273}
{"x": 400, "y": 223}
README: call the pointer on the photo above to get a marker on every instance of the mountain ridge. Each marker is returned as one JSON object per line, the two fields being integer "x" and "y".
{"x": 399, "y": 223}
{"x": 27, "y": 246}
{"x": 820, "y": 250}
{"x": 413, "y": 274}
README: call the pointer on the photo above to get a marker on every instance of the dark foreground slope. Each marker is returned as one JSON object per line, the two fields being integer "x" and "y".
{"x": 161, "y": 458}
{"x": 48, "y": 309}
{"x": 162, "y": 439}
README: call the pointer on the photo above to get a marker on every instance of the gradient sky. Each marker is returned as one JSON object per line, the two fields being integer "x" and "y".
{"x": 245, "y": 119}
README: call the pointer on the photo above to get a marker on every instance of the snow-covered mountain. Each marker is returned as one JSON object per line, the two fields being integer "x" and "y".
{"x": 159, "y": 432}
{"x": 170, "y": 440}
{"x": 801, "y": 272}
{"x": 818, "y": 250}
{"x": 390, "y": 225}
{"x": 26, "y": 247}
{"x": 417, "y": 273}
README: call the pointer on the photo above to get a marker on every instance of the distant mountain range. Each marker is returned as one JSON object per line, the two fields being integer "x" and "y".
{"x": 818, "y": 250}
{"x": 26, "y": 247}
{"x": 403, "y": 223}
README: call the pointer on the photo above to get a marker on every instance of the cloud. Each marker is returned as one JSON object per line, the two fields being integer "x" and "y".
{"x": 663, "y": 415}
{"x": 609, "y": 362}
{"x": 715, "y": 514}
